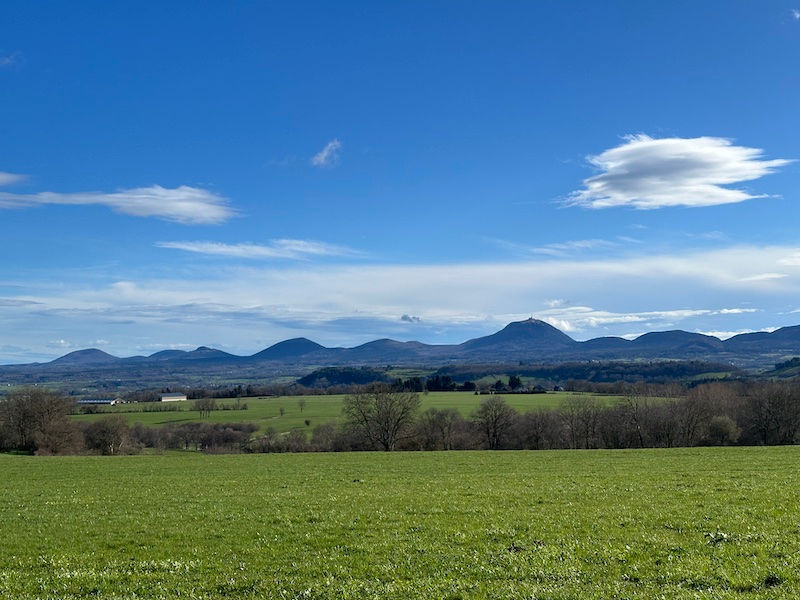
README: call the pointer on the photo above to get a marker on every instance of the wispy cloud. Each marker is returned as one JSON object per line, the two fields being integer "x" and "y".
{"x": 577, "y": 318}
{"x": 724, "y": 335}
{"x": 764, "y": 277}
{"x": 16, "y": 302}
{"x": 10, "y": 60}
{"x": 559, "y": 249}
{"x": 62, "y": 344}
{"x": 796, "y": 13}
{"x": 714, "y": 236}
{"x": 649, "y": 173}
{"x": 329, "y": 155}
{"x": 440, "y": 292}
{"x": 294, "y": 249}
{"x": 347, "y": 303}
{"x": 9, "y": 178}
{"x": 628, "y": 239}
{"x": 562, "y": 248}
{"x": 793, "y": 260}
{"x": 580, "y": 318}
{"x": 566, "y": 248}
{"x": 556, "y": 302}
{"x": 282, "y": 162}
{"x": 184, "y": 204}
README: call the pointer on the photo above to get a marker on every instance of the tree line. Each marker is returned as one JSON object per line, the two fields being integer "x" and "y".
{"x": 740, "y": 413}
{"x": 753, "y": 413}
{"x": 380, "y": 417}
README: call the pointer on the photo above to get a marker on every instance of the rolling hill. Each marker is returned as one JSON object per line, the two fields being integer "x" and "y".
{"x": 527, "y": 342}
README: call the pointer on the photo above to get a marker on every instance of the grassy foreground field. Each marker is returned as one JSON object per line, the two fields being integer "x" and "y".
{"x": 684, "y": 523}
{"x": 265, "y": 412}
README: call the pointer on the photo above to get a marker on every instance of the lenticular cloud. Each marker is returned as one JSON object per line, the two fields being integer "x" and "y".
{"x": 649, "y": 173}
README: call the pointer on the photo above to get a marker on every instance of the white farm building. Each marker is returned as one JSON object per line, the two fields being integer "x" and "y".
{"x": 172, "y": 397}
{"x": 96, "y": 401}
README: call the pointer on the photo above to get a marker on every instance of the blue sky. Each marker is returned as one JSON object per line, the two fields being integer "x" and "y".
{"x": 234, "y": 174}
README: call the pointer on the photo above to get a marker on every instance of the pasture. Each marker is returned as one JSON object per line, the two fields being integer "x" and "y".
{"x": 680, "y": 523}
{"x": 266, "y": 411}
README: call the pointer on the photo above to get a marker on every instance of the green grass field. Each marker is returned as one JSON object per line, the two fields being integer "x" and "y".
{"x": 265, "y": 412}
{"x": 683, "y": 523}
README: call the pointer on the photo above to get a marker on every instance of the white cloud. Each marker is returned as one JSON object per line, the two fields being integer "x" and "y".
{"x": 296, "y": 249}
{"x": 796, "y": 13}
{"x": 764, "y": 277}
{"x": 560, "y": 249}
{"x": 724, "y": 335}
{"x": 582, "y": 318}
{"x": 715, "y": 236}
{"x": 9, "y": 178}
{"x": 792, "y": 260}
{"x": 649, "y": 173}
{"x": 633, "y": 335}
{"x": 562, "y": 324}
{"x": 628, "y": 239}
{"x": 345, "y": 304}
{"x": 14, "y": 302}
{"x": 165, "y": 346}
{"x": 463, "y": 290}
{"x": 184, "y": 204}
{"x": 576, "y": 318}
{"x": 555, "y": 302}
{"x": 329, "y": 155}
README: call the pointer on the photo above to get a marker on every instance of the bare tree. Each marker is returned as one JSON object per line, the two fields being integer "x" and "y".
{"x": 663, "y": 423}
{"x": 774, "y": 410}
{"x": 60, "y": 437}
{"x": 205, "y": 406}
{"x": 109, "y": 435}
{"x": 437, "y": 428}
{"x": 539, "y": 430}
{"x": 495, "y": 418}
{"x": 296, "y": 441}
{"x": 269, "y": 441}
{"x": 381, "y": 417}
{"x": 723, "y": 431}
{"x": 29, "y": 415}
{"x": 693, "y": 416}
{"x": 636, "y": 411}
{"x": 614, "y": 428}
{"x": 323, "y": 437}
{"x": 580, "y": 416}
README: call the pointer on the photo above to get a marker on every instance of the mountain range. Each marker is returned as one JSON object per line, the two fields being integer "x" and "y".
{"x": 528, "y": 341}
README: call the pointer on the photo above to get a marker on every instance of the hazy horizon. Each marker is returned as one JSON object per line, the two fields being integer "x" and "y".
{"x": 186, "y": 348}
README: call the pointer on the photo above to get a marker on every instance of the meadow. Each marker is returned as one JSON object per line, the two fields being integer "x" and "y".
{"x": 678, "y": 523}
{"x": 266, "y": 411}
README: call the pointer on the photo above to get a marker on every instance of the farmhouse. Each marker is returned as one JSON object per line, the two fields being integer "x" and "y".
{"x": 172, "y": 397}
{"x": 106, "y": 401}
